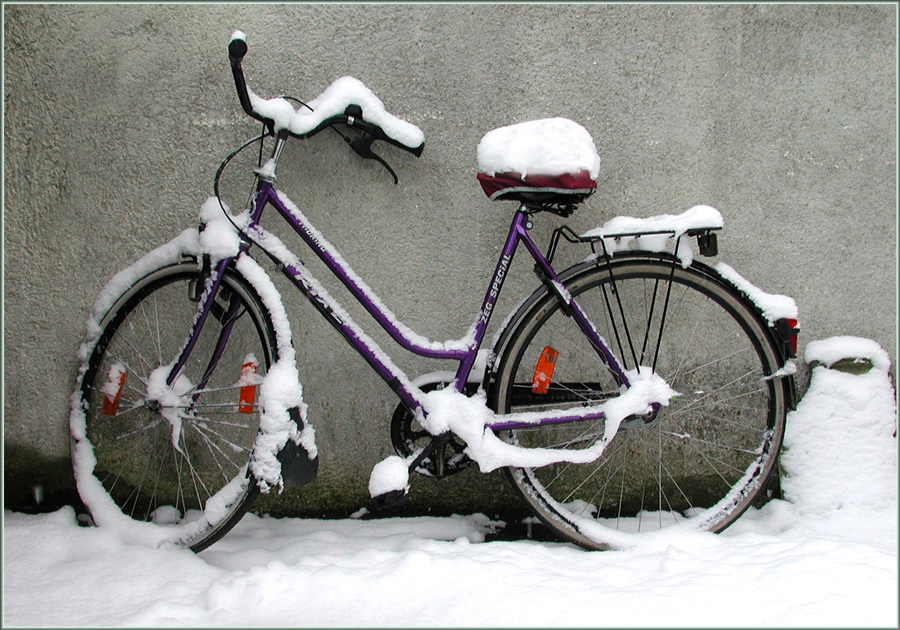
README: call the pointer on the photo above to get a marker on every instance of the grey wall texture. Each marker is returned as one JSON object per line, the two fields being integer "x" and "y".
{"x": 117, "y": 116}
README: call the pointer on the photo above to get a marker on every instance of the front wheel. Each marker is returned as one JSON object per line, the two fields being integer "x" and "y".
{"x": 703, "y": 459}
{"x": 170, "y": 462}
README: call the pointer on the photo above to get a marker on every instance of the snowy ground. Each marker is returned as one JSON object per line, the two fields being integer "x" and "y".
{"x": 826, "y": 556}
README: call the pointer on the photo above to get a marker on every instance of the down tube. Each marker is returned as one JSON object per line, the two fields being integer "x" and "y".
{"x": 329, "y": 255}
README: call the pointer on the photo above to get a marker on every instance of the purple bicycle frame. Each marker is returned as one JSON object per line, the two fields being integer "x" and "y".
{"x": 518, "y": 233}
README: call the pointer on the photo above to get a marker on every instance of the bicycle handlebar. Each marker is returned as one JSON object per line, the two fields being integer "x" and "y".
{"x": 237, "y": 49}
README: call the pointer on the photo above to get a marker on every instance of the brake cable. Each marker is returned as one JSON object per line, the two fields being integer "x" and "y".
{"x": 259, "y": 159}
{"x": 228, "y": 159}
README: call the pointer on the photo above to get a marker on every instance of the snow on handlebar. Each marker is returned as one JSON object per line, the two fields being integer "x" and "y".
{"x": 322, "y": 110}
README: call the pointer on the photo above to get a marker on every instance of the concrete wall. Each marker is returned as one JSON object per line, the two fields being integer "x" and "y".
{"x": 116, "y": 117}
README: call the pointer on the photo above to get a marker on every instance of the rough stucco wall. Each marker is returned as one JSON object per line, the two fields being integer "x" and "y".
{"x": 116, "y": 117}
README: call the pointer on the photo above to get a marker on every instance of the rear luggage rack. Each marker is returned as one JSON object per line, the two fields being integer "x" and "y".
{"x": 707, "y": 240}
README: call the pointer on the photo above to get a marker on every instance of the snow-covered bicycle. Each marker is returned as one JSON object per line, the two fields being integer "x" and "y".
{"x": 637, "y": 391}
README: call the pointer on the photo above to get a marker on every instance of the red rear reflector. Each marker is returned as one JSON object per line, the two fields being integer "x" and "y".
{"x": 543, "y": 372}
{"x": 248, "y": 391}
{"x": 794, "y": 330}
{"x": 112, "y": 390}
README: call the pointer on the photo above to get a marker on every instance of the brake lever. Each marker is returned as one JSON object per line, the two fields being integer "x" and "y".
{"x": 362, "y": 146}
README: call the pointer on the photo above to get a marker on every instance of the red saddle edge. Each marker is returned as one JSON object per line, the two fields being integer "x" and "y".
{"x": 500, "y": 184}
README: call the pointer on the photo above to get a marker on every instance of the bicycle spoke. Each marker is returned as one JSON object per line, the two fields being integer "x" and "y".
{"x": 206, "y": 431}
{"x": 194, "y": 475}
{"x": 617, "y": 446}
{"x": 223, "y": 423}
{"x": 726, "y": 358}
{"x": 149, "y": 427}
{"x": 717, "y": 464}
{"x": 210, "y": 444}
{"x": 727, "y": 447}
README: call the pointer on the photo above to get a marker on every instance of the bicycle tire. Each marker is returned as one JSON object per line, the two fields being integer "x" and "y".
{"x": 148, "y": 474}
{"x": 705, "y": 458}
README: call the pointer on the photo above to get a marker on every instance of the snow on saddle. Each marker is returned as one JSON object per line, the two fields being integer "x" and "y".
{"x": 550, "y": 164}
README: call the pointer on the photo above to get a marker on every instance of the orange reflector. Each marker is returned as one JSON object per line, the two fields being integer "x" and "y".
{"x": 113, "y": 390}
{"x": 543, "y": 372}
{"x": 248, "y": 392}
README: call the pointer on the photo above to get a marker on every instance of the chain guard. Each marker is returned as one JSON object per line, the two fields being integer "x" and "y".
{"x": 409, "y": 437}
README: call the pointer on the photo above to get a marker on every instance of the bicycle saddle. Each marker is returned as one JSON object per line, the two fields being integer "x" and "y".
{"x": 542, "y": 162}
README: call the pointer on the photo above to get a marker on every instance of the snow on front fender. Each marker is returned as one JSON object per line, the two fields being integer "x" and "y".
{"x": 280, "y": 390}
{"x": 185, "y": 244}
{"x": 103, "y": 509}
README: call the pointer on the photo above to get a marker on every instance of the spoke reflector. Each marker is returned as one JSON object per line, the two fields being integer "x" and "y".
{"x": 543, "y": 372}
{"x": 112, "y": 389}
{"x": 248, "y": 387}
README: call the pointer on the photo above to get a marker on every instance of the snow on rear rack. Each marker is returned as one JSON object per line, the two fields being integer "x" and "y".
{"x": 652, "y": 234}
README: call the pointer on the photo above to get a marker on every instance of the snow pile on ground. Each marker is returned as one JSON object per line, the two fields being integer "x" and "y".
{"x": 825, "y": 556}
{"x": 840, "y": 452}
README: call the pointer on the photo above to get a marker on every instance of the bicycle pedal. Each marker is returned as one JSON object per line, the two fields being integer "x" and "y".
{"x": 388, "y": 499}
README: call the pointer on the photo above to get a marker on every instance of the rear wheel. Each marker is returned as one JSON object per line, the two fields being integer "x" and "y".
{"x": 174, "y": 457}
{"x": 703, "y": 459}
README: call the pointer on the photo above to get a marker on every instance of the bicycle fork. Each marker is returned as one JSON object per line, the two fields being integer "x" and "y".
{"x": 297, "y": 468}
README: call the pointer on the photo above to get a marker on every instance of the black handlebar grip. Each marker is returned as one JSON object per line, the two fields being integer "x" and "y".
{"x": 237, "y": 48}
